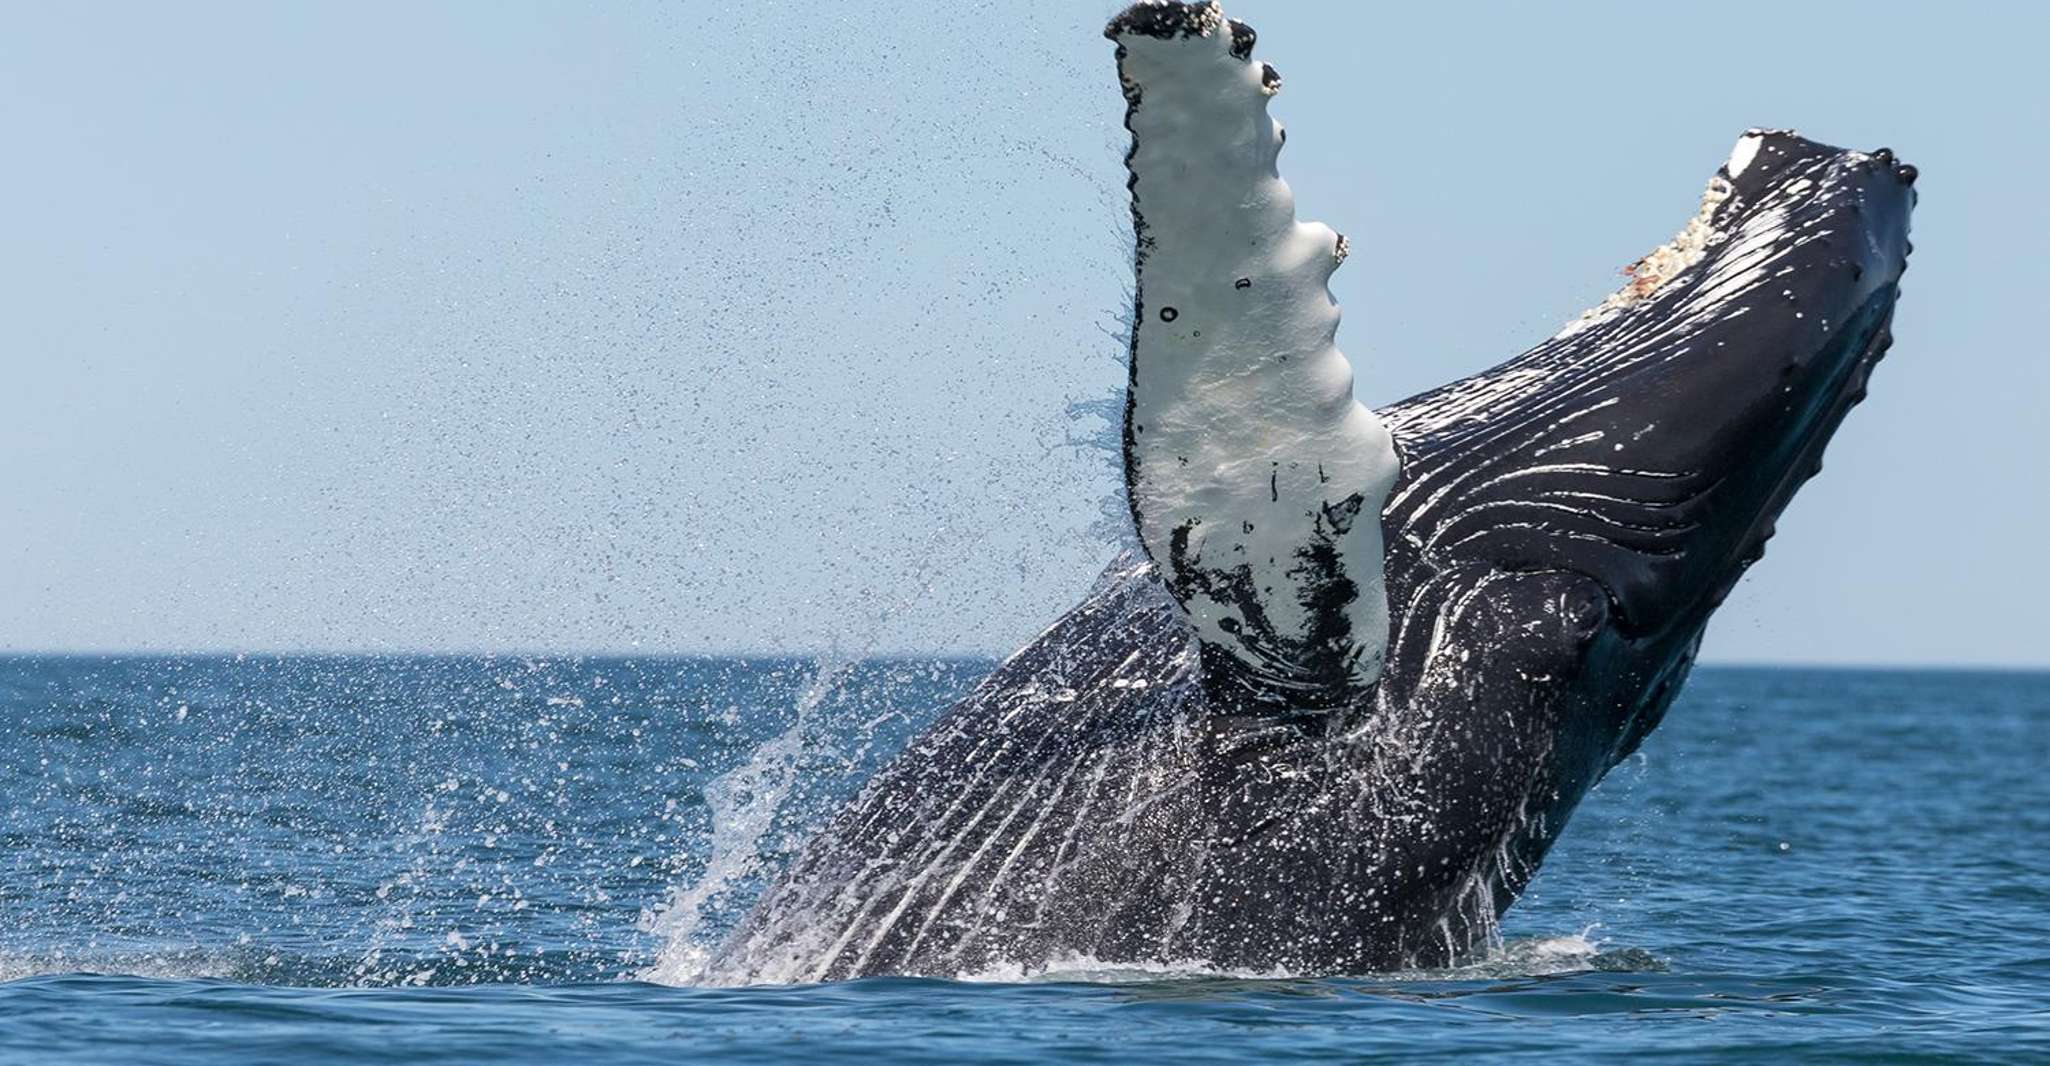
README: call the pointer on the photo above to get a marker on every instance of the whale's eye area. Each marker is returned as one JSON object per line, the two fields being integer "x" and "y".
{"x": 1583, "y": 612}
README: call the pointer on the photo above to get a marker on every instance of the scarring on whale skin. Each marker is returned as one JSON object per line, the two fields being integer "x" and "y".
{"x": 1137, "y": 786}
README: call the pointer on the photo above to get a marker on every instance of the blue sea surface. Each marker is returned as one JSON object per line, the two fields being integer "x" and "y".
{"x": 412, "y": 860}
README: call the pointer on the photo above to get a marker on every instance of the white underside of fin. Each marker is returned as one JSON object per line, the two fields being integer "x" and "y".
{"x": 1257, "y": 480}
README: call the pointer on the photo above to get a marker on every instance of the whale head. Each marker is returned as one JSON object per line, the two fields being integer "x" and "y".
{"x": 1615, "y": 481}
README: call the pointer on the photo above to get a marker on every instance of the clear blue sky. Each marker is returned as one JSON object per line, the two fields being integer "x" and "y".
{"x": 554, "y": 327}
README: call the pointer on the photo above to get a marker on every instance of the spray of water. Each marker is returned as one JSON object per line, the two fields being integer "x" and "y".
{"x": 745, "y": 803}
{"x": 753, "y": 805}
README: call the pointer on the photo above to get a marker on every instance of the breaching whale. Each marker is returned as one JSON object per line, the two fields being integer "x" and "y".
{"x": 1282, "y": 735}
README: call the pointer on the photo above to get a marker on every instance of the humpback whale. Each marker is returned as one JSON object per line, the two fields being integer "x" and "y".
{"x": 1331, "y": 711}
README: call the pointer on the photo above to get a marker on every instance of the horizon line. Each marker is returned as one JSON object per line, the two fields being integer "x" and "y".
{"x": 885, "y": 655}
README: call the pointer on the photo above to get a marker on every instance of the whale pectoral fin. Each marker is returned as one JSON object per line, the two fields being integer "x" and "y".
{"x": 1256, "y": 480}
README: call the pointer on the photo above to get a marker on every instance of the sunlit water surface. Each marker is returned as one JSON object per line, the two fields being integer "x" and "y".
{"x": 241, "y": 860}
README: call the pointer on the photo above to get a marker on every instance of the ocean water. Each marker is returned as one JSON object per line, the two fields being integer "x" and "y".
{"x": 332, "y": 859}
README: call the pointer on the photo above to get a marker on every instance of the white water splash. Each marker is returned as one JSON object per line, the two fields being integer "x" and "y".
{"x": 744, "y": 803}
{"x": 165, "y": 965}
{"x": 1544, "y": 956}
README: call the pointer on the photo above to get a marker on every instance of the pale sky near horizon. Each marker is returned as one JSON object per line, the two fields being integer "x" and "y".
{"x": 679, "y": 327}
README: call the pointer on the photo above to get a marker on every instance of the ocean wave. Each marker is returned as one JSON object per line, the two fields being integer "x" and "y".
{"x": 1540, "y": 956}
{"x": 276, "y": 968}
{"x": 1519, "y": 958}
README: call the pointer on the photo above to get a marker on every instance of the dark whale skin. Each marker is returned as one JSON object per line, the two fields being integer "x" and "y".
{"x": 1561, "y": 530}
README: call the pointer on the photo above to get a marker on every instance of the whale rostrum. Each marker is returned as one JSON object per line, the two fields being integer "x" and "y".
{"x": 1333, "y": 716}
